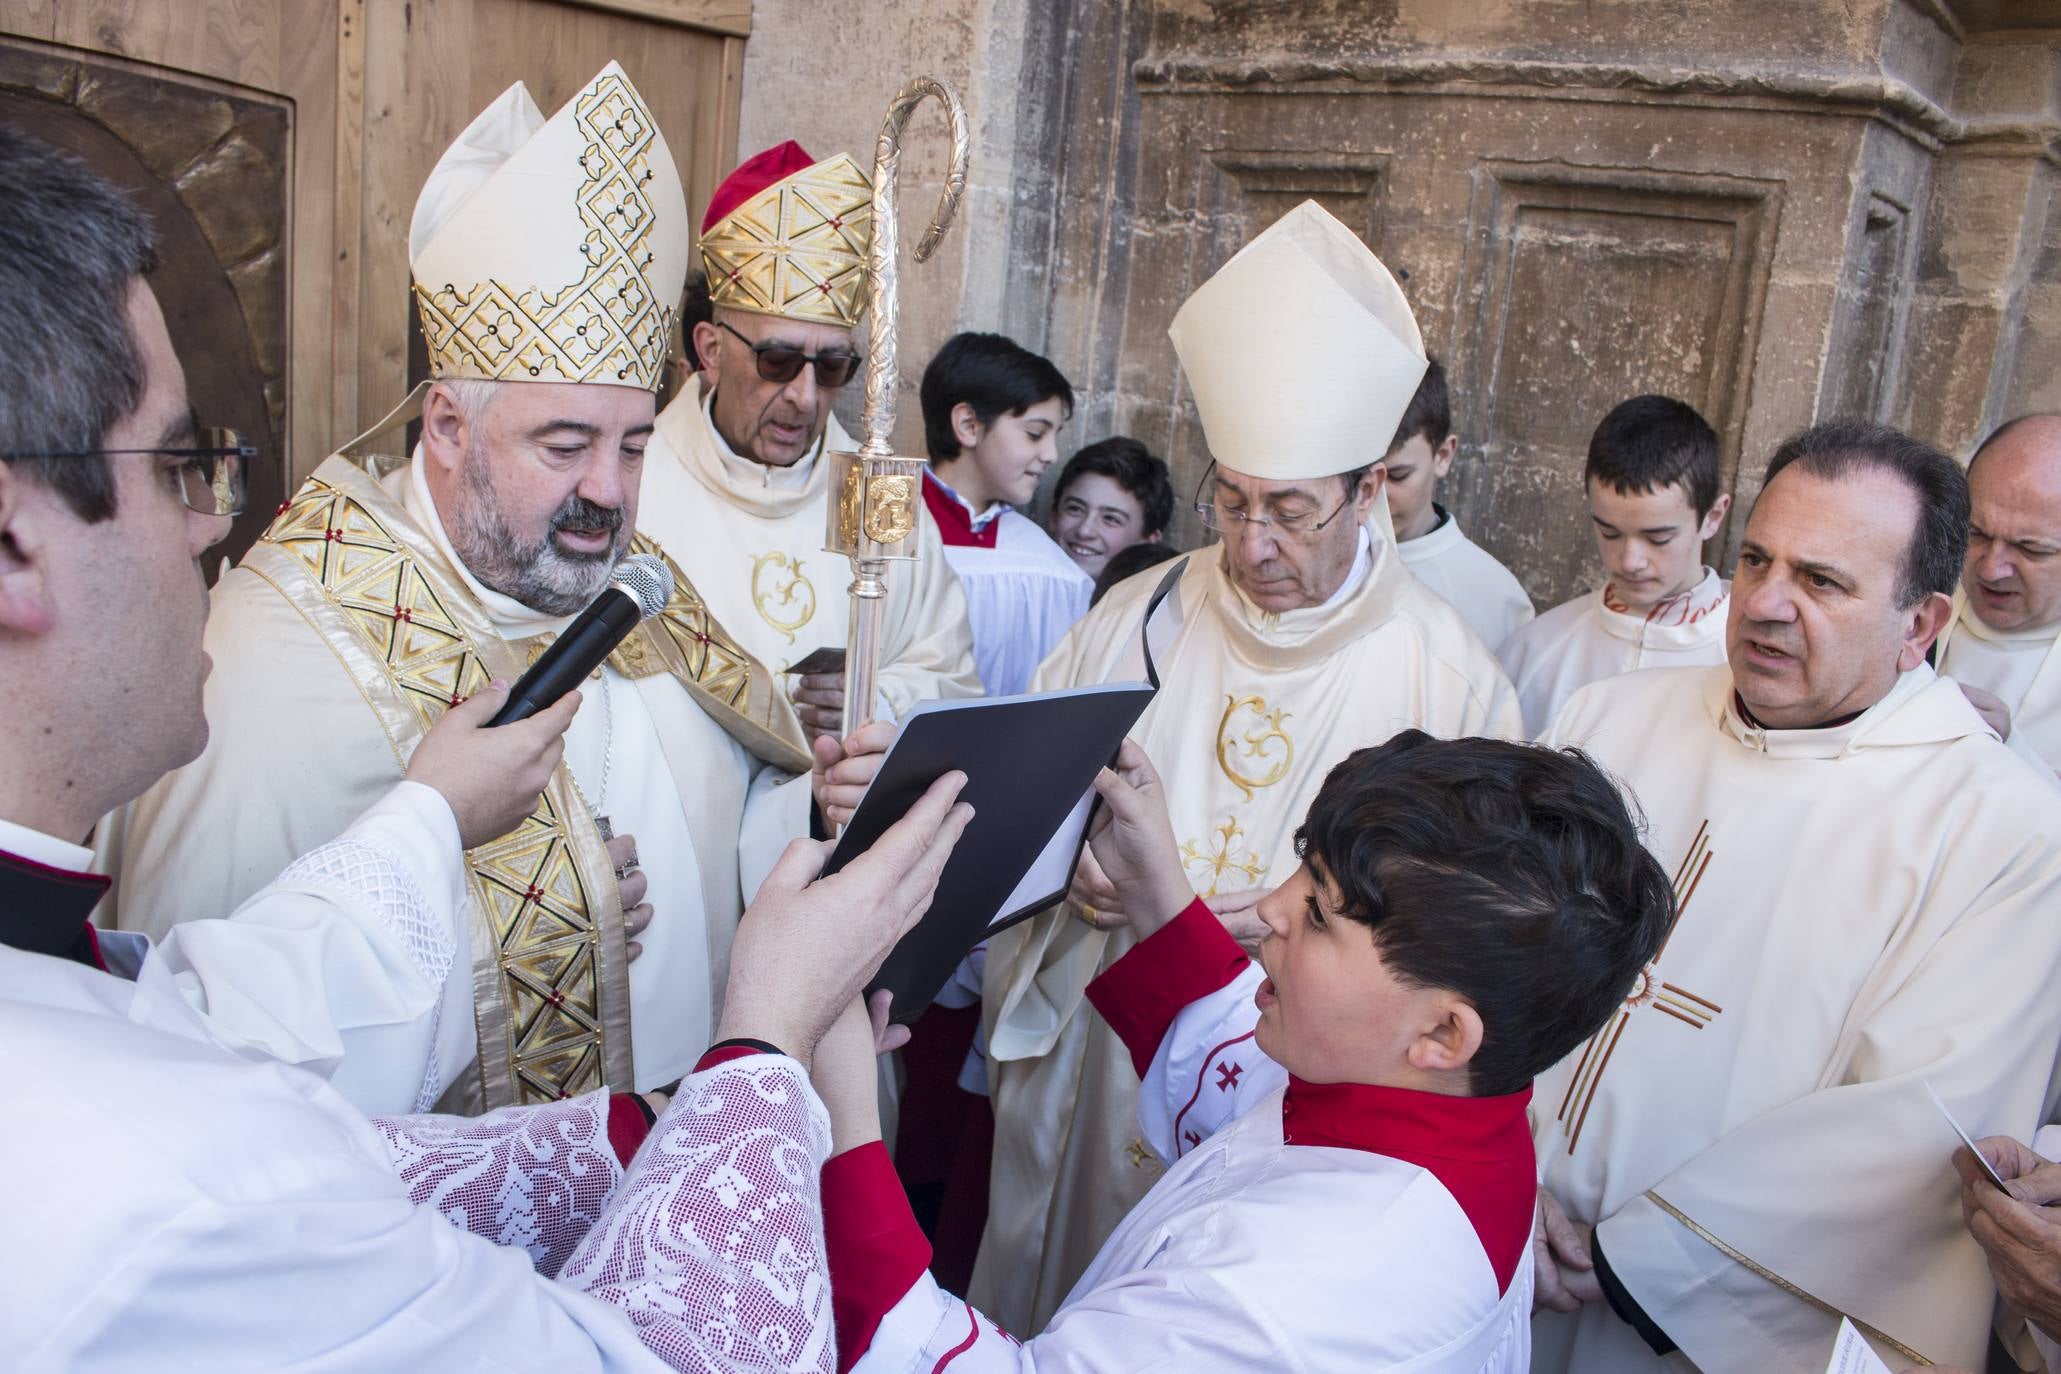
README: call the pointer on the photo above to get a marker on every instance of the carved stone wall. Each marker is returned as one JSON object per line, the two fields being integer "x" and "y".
{"x": 1779, "y": 210}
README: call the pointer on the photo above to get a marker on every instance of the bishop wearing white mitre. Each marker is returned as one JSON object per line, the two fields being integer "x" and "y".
{"x": 736, "y": 485}
{"x": 2007, "y": 617}
{"x": 1867, "y": 883}
{"x": 546, "y": 257}
{"x": 1302, "y": 638}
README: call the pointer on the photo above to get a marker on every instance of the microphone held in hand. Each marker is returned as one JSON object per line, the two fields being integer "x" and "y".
{"x": 640, "y": 589}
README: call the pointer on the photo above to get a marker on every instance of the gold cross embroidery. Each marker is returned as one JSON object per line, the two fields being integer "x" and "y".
{"x": 1141, "y": 1156}
{"x": 1649, "y": 991}
{"x": 1223, "y": 858}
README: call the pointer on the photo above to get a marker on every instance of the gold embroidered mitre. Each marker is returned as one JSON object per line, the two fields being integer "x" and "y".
{"x": 785, "y": 235}
{"x": 553, "y": 250}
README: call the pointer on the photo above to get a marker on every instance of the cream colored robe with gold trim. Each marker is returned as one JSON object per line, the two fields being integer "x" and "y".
{"x": 1254, "y": 709}
{"x": 751, "y": 538}
{"x": 301, "y": 740}
{"x": 1863, "y": 909}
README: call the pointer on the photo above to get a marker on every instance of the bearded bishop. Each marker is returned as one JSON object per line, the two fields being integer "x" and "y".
{"x": 735, "y": 484}
{"x": 546, "y": 256}
{"x": 1301, "y": 638}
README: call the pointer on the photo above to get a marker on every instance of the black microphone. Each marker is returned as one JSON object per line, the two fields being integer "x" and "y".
{"x": 640, "y": 589}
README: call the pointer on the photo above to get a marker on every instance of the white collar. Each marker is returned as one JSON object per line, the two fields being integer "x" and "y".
{"x": 1363, "y": 563}
{"x": 981, "y": 518}
{"x": 47, "y": 850}
{"x": 1440, "y": 538}
{"x": 793, "y": 477}
{"x": 2014, "y": 639}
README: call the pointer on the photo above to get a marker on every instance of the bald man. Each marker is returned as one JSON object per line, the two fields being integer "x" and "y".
{"x": 2001, "y": 641}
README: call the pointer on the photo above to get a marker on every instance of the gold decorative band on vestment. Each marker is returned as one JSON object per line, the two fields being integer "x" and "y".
{"x": 1747, "y": 1262}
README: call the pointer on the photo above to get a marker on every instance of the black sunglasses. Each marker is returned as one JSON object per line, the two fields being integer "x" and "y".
{"x": 214, "y": 479}
{"x": 781, "y": 363}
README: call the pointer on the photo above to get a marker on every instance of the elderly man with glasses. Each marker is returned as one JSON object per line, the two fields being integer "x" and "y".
{"x": 1303, "y": 638}
{"x": 737, "y": 487}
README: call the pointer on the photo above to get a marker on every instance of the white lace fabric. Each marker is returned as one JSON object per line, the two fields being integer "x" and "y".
{"x": 535, "y": 1178}
{"x": 357, "y": 872}
{"x": 711, "y": 1243}
{"x": 714, "y": 1243}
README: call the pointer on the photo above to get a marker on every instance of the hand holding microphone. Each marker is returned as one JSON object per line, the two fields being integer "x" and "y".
{"x": 491, "y": 756}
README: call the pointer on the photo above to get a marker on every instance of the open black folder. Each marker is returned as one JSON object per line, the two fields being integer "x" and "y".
{"x": 1030, "y": 763}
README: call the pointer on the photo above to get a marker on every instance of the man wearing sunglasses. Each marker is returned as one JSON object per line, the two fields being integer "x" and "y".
{"x": 392, "y": 583}
{"x": 1304, "y": 639}
{"x": 736, "y": 487}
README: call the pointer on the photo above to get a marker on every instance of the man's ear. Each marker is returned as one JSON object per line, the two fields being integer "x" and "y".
{"x": 1453, "y": 1040}
{"x": 1154, "y": 537}
{"x": 26, "y": 510}
{"x": 708, "y": 345}
{"x": 1715, "y": 520}
{"x": 966, "y": 426}
{"x": 1370, "y": 487}
{"x": 1442, "y": 460}
{"x": 446, "y": 431}
{"x": 1926, "y": 620}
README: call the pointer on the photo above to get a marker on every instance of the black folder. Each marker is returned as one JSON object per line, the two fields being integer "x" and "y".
{"x": 1030, "y": 763}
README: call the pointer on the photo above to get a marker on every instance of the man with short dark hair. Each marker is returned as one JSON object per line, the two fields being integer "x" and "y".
{"x": 737, "y": 487}
{"x": 1349, "y": 1176}
{"x": 1432, "y": 544}
{"x": 992, "y": 410}
{"x": 1652, "y": 487}
{"x": 1867, "y": 879}
{"x": 196, "y": 1202}
{"x": 2006, "y": 628}
{"x": 1111, "y": 495}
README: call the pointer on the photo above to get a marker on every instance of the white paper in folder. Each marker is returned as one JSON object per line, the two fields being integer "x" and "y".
{"x": 1851, "y": 1353}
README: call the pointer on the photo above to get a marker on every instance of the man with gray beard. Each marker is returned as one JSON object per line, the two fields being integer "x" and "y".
{"x": 394, "y": 584}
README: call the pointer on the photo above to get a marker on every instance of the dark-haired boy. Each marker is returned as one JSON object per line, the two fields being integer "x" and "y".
{"x": 991, "y": 416}
{"x": 1652, "y": 480}
{"x": 1351, "y": 1182}
{"x": 1485, "y": 593}
{"x": 1111, "y": 495}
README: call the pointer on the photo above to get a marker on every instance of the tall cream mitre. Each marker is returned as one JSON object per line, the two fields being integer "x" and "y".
{"x": 553, "y": 250}
{"x": 1301, "y": 352}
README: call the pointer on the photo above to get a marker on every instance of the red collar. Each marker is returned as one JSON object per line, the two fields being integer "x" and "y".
{"x": 956, "y": 522}
{"x": 1479, "y": 1148}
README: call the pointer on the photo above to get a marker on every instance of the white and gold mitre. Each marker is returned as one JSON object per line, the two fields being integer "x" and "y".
{"x": 1301, "y": 352}
{"x": 553, "y": 250}
{"x": 786, "y": 235}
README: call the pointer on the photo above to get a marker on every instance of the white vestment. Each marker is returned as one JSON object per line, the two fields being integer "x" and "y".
{"x": 1863, "y": 909}
{"x": 2021, "y": 668}
{"x": 1255, "y": 709}
{"x": 750, "y": 537}
{"x": 295, "y": 750}
{"x": 180, "y": 1206}
{"x": 1022, "y": 592}
{"x": 1586, "y": 640}
{"x": 1287, "y": 1234}
{"x": 1485, "y": 593}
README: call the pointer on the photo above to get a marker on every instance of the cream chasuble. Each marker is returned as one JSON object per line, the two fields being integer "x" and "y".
{"x": 2022, "y": 668}
{"x": 1862, "y": 909}
{"x": 1587, "y": 639}
{"x": 1254, "y": 709}
{"x": 751, "y": 539}
{"x": 1487, "y": 594}
{"x": 337, "y": 642}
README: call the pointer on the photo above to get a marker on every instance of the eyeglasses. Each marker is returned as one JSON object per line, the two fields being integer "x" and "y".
{"x": 1301, "y": 529}
{"x": 213, "y": 480}
{"x": 781, "y": 363}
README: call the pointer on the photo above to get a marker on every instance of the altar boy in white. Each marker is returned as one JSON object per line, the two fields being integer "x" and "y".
{"x": 1350, "y": 1181}
{"x": 1433, "y": 546}
{"x": 2007, "y": 618}
{"x": 1867, "y": 880}
{"x": 1302, "y": 639}
{"x": 1652, "y": 482}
